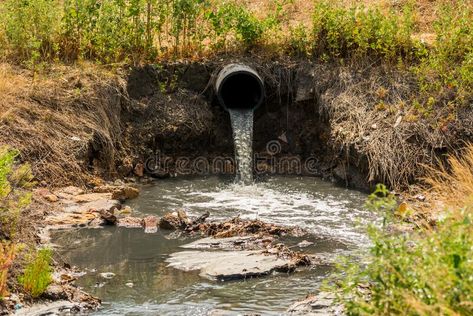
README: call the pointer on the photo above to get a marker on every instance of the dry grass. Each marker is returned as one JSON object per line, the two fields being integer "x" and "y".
{"x": 453, "y": 183}
{"x": 367, "y": 112}
{"x": 55, "y": 121}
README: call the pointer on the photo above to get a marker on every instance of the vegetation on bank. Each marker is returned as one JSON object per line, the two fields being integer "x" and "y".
{"x": 15, "y": 195}
{"x": 38, "y": 273}
{"x": 427, "y": 271}
{"x": 108, "y": 32}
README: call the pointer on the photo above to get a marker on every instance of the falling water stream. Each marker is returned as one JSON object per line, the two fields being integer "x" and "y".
{"x": 242, "y": 125}
{"x": 144, "y": 284}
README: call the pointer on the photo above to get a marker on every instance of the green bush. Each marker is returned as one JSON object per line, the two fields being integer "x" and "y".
{"x": 14, "y": 196}
{"x": 38, "y": 273}
{"x": 31, "y": 28}
{"x": 358, "y": 31}
{"x": 233, "y": 18}
{"x": 449, "y": 64}
{"x": 426, "y": 272}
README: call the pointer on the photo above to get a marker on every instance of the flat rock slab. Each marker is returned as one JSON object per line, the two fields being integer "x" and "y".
{"x": 322, "y": 304}
{"x": 229, "y": 265}
{"x": 230, "y": 243}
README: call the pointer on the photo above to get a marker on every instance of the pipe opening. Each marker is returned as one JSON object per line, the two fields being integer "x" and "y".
{"x": 239, "y": 87}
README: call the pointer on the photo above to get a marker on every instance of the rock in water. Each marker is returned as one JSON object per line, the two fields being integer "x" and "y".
{"x": 150, "y": 223}
{"x": 229, "y": 265}
{"x": 108, "y": 216}
{"x": 321, "y": 304}
{"x": 130, "y": 222}
{"x": 170, "y": 221}
{"x": 107, "y": 275}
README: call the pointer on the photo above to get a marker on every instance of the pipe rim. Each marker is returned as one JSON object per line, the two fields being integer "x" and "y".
{"x": 245, "y": 70}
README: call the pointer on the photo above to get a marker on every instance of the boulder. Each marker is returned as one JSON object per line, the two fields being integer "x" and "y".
{"x": 91, "y": 197}
{"x": 51, "y": 198}
{"x": 98, "y": 206}
{"x": 71, "y": 190}
{"x": 317, "y": 305}
{"x": 122, "y": 192}
{"x": 170, "y": 221}
{"x": 125, "y": 193}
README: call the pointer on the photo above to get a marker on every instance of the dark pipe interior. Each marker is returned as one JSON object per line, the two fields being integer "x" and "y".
{"x": 241, "y": 90}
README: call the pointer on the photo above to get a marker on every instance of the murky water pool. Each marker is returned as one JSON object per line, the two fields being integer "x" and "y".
{"x": 144, "y": 285}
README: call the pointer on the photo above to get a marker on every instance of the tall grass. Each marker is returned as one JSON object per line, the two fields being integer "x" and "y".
{"x": 453, "y": 183}
{"x": 7, "y": 255}
{"x": 424, "y": 272}
{"x": 38, "y": 273}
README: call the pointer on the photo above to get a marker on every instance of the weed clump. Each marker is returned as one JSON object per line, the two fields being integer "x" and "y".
{"x": 423, "y": 272}
{"x": 38, "y": 273}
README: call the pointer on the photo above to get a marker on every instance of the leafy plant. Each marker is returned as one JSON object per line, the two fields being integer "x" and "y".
{"x": 423, "y": 272}
{"x": 31, "y": 28}
{"x": 233, "y": 18}
{"x": 38, "y": 273}
{"x": 14, "y": 182}
{"x": 13, "y": 198}
{"x": 343, "y": 32}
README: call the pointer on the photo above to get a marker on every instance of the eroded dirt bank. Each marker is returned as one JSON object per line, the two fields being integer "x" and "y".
{"x": 349, "y": 120}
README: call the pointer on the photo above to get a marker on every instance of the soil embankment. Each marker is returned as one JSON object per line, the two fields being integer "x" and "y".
{"x": 348, "y": 120}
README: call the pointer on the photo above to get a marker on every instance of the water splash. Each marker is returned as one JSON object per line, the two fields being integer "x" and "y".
{"x": 242, "y": 125}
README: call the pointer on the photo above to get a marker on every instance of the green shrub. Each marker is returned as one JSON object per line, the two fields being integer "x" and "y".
{"x": 426, "y": 272}
{"x": 449, "y": 64}
{"x": 14, "y": 196}
{"x": 38, "y": 273}
{"x": 31, "y": 28}
{"x": 231, "y": 18}
{"x": 357, "y": 31}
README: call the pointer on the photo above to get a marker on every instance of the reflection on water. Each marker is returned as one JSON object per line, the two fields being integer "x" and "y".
{"x": 144, "y": 285}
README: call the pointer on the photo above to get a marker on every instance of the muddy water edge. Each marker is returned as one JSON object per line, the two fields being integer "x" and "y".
{"x": 130, "y": 270}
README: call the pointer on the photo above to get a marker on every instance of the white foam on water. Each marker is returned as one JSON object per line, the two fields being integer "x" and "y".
{"x": 320, "y": 214}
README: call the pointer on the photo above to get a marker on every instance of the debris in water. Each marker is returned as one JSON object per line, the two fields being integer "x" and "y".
{"x": 107, "y": 275}
{"x": 304, "y": 244}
